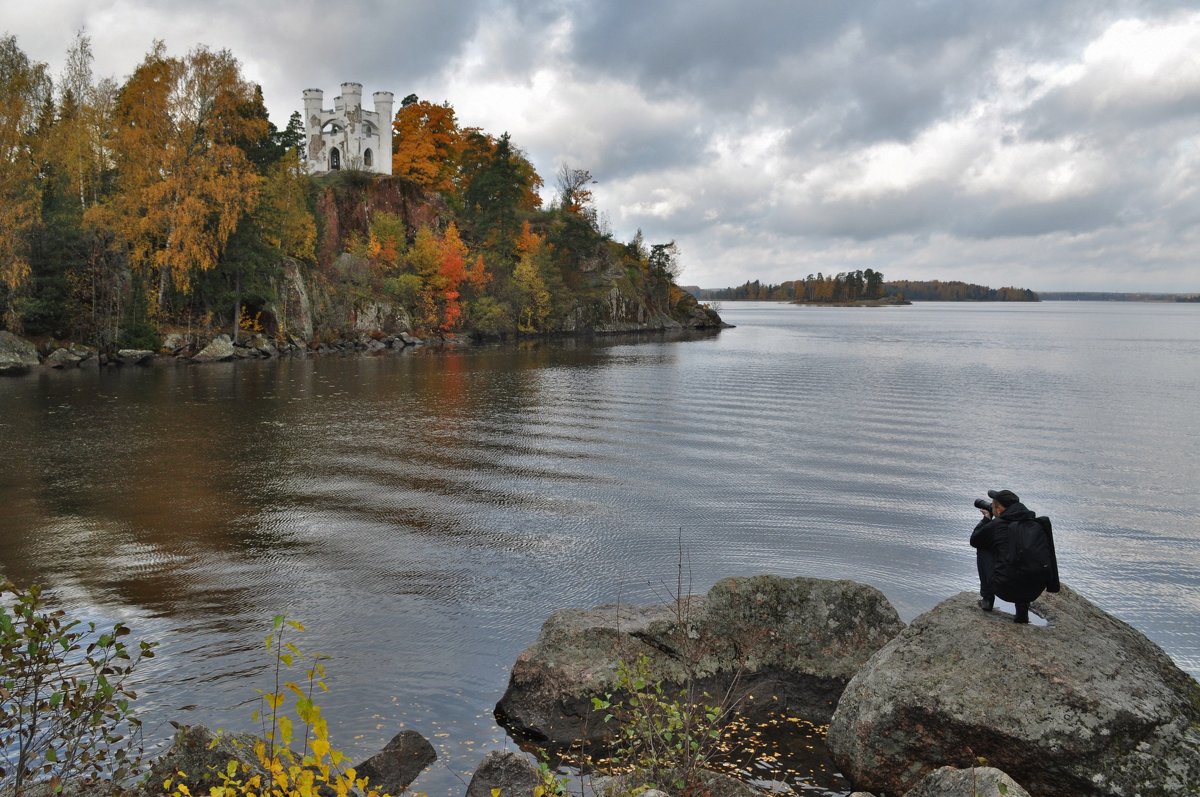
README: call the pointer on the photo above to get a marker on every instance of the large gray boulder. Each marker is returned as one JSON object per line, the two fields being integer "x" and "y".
{"x": 17, "y": 355}
{"x": 398, "y": 764}
{"x": 1084, "y": 706}
{"x": 221, "y": 348}
{"x": 793, "y": 643}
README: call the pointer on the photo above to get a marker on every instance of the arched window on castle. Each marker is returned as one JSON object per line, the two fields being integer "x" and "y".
{"x": 335, "y": 159}
{"x": 368, "y": 159}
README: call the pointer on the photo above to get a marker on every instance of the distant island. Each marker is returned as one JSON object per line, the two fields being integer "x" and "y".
{"x": 861, "y": 288}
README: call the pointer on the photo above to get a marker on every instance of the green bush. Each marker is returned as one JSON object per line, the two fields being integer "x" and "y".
{"x": 65, "y": 699}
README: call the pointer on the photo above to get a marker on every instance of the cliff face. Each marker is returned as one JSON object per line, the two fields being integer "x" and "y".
{"x": 347, "y": 296}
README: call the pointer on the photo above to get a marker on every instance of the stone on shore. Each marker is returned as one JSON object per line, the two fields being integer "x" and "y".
{"x": 398, "y": 764}
{"x": 1084, "y": 706}
{"x": 509, "y": 772}
{"x": 221, "y": 348}
{"x": 61, "y": 358}
{"x": 17, "y": 355}
{"x": 133, "y": 356}
{"x": 796, "y": 642}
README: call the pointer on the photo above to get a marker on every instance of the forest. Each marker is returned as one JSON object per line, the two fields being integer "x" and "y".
{"x": 170, "y": 202}
{"x": 866, "y": 284}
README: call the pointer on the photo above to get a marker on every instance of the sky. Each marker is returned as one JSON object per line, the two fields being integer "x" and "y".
{"x": 1046, "y": 144}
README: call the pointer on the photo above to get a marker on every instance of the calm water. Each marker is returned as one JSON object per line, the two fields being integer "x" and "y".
{"x": 423, "y": 512}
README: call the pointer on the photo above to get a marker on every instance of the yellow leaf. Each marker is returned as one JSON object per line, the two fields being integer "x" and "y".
{"x": 496, "y": 792}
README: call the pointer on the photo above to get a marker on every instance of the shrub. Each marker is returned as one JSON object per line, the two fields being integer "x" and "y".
{"x": 65, "y": 699}
{"x": 666, "y": 737}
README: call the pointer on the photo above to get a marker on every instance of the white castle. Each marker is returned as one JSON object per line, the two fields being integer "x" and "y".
{"x": 348, "y": 137}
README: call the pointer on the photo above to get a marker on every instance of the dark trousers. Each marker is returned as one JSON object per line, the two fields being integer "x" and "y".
{"x": 985, "y": 564}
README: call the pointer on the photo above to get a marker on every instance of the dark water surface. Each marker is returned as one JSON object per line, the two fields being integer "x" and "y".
{"x": 423, "y": 512}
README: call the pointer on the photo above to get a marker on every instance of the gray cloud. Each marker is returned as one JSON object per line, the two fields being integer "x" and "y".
{"x": 1055, "y": 143}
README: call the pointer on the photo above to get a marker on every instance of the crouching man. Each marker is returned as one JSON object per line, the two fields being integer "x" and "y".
{"x": 1014, "y": 552}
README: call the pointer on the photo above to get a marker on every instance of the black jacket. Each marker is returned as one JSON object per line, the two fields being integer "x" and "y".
{"x": 997, "y": 535}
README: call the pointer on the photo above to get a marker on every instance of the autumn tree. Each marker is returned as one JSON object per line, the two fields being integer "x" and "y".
{"x": 25, "y": 91}
{"x": 185, "y": 180}
{"x": 574, "y": 196}
{"x": 533, "y": 298}
{"x": 425, "y": 144}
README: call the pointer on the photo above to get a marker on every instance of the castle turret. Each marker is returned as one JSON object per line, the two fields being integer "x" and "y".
{"x": 383, "y": 111}
{"x": 351, "y": 96}
{"x": 313, "y": 99}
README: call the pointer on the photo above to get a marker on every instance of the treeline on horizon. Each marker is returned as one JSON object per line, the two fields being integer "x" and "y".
{"x": 866, "y": 284}
{"x": 847, "y": 286}
{"x": 171, "y": 201}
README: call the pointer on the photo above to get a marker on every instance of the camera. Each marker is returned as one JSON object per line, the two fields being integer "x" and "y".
{"x": 984, "y": 504}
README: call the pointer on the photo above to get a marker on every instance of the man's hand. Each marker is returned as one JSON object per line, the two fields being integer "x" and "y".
{"x": 986, "y": 514}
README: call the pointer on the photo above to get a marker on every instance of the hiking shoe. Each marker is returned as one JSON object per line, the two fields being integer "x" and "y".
{"x": 986, "y": 604}
{"x": 1022, "y": 615}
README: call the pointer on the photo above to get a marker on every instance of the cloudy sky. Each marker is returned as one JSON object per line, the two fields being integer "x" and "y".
{"x": 1047, "y": 144}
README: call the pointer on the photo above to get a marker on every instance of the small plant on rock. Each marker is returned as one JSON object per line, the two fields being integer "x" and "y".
{"x": 277, "y": 768}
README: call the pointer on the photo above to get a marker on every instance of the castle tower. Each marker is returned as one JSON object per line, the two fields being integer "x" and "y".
{"x": 348, "y": 137}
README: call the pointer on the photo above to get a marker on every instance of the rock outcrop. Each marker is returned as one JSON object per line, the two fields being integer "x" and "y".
{"x": 795, "y": 642}
{"x": 398, "y": 764}
{"x": 17, "y": 355}
{"x": 1084, "y": 706}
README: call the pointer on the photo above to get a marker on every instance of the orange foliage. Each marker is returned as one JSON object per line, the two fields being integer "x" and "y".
{"x": 426, "y": 145}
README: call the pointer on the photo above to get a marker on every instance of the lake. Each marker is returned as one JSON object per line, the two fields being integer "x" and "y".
{"x": 422, "y": 512}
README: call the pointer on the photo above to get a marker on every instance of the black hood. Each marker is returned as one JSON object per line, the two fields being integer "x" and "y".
{"x": 1017, "y": 512}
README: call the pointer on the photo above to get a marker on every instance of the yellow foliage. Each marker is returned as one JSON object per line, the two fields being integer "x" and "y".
{"x": 312, "y": 771}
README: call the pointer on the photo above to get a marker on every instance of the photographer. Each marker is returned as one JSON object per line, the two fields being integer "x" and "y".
{"x": 1014, "y": 552}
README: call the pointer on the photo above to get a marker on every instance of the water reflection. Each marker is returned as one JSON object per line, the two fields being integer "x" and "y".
{"x": 423, "y": 512}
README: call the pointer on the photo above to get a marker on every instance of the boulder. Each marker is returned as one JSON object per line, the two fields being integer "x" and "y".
{"x": 83, "y": 352}
{"x": 61, "y": 358}
{"x": 794, "y": 642}
{"x": 17, "y": 355}
{"x": 1085, "y": 706}
{"x": 975, "y": 781}
{"x": 398, "y": 764}
{"x": 133, "y": 356}
{"x": 221, "y": 348}
{"x": 509, "y": 772}
{"x": 409, "y": 340}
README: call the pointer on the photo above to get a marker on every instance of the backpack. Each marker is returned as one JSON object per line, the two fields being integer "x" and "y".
{"x": 1025, "y": 561}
